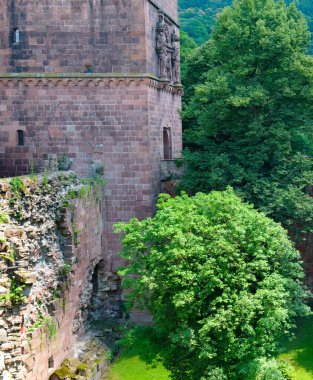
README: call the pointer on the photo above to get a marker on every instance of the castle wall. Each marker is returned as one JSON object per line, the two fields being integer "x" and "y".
{"x": 54, "y": 259}
{"x": 63, "y": 36}
{"x": 164, "y": 113}
{"x": 113, "y": 117}
{"x": 85, "y": 119}
{"x": 115, "y": 122}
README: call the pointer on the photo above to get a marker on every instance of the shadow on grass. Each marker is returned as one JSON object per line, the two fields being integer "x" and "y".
{"x": 143, "y": 342}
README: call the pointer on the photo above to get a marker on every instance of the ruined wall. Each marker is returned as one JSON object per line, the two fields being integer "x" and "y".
{"x": 63, "y": 36}
{"x": 51, "y": 240}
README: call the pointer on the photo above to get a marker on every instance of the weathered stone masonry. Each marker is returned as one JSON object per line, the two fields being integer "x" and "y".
{"x": 80, "y": 79}
{"x": 53, "y": 231}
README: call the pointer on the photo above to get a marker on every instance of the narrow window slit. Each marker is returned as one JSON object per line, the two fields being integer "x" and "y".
{"x": 167, "y": 144}
{"x": 16, "y": 37}
{"x": 20, "y": 138}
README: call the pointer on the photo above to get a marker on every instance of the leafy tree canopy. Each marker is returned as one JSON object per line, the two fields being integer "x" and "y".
{"x": 198, "y": 16}
{"x": 222, "y": 281}
{"x": 248, "y": 111}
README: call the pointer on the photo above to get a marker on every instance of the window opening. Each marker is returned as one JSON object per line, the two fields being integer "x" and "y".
{"x": 50, "y": 362}
{"x": 16, "y": 36}
{"x": 167, "y": 144}
{"x": 20, "y": 138}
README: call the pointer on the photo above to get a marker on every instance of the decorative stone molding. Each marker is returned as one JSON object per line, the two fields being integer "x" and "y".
{"x": 100, "y": 80}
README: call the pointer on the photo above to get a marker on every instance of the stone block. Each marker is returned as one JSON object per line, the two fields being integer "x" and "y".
{"x": 3, "y": 336}
{"x": 7, "y": 346}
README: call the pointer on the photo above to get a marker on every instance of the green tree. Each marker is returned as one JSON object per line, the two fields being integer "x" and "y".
{"x": 187, "y": 47}
{"x": 197, "y": 17}
{"x": 222, "y": 281}
{"x": 248, "y": 116}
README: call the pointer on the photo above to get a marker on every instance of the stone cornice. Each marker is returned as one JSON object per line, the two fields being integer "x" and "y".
{"x": 79, "y": 79}
{"x": 78, "y": 75}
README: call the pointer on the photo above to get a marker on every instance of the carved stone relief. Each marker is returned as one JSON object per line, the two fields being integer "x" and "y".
{"x": 168, "y": 49}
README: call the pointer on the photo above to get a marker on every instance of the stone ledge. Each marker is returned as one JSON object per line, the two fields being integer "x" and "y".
{"x": 79, "y": 79}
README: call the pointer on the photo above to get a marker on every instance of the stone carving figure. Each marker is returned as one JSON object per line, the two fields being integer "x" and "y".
{"x": 169, "y": 68}
{"x": 167, "y": 46}
{"x": 161, "y": 46}
{"x": 160, "y": 23}
{"x": 162, "y": 53}
{"x": 176, "y": 64}
{"x": 176, "y": 57}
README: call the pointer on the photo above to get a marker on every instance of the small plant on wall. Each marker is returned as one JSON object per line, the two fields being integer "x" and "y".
{"x": 88, "y": 68}
{"x": 14, "y": 295}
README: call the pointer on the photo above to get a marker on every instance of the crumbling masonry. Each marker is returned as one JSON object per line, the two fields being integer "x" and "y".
{"x": 90, "y": 86}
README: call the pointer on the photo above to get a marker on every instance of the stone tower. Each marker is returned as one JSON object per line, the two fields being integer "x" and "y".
{"x": 96, "y": 81}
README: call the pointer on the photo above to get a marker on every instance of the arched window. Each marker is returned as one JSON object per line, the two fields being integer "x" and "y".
{"x": 167, "y": 146}
{"x": 16, "y": 36}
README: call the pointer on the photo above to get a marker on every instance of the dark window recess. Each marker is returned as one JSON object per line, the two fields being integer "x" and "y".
{"x": 16, "y": 36}
{"x": 20, "y": 138}
{"x": 51, "y": 362}
{"x": 167, "y": 144}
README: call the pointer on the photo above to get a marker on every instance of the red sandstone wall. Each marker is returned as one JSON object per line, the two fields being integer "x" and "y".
{"x": 118, "y": 123}
{"x": 164, "y": 111}
{"x": 61, "y": 36}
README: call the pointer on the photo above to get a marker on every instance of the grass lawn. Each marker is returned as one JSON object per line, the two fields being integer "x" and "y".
{"x": 140, "y": 360}
{"x": 299, "y": 353}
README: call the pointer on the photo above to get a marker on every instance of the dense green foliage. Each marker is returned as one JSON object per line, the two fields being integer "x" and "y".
{"x": 248, "y": 111}
{"x": 187, "y": 47}
{"x": 222, "y": 281}
{"x": 198, "y": 17}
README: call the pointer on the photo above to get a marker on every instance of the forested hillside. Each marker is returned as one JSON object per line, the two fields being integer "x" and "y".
{"x": 198, "y": 16}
